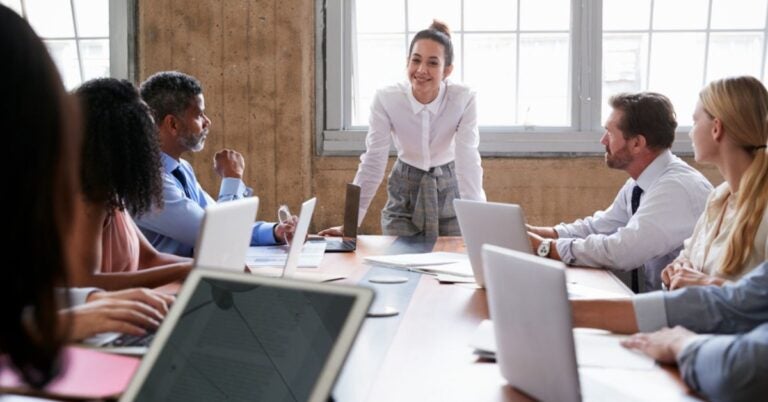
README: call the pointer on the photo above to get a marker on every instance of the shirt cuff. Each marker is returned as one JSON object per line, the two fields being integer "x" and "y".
{"x": 650, "y": 311}
{"x": 561, "y": 231}
{"x": 233, "y": 188}
{"x": 263, "y": 234}
{"x": 565, "y": 249}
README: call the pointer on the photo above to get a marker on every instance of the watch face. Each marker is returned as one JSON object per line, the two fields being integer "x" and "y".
{"x": 543, "y": 250}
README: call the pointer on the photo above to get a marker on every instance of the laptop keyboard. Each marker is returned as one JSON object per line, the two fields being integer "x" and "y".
{"x": 132, "y": 340}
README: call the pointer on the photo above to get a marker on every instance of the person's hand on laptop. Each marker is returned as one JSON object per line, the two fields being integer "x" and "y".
{"x": 130, "y": 311}
{"x": 546, "y": 232}
{"x": 663, "y": 345}
{"x": 335, "y": 231}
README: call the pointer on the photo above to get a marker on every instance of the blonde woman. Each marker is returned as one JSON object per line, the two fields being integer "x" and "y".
{"x": 730, "y": 130}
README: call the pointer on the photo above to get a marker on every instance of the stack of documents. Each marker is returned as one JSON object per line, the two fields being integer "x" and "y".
{"x": 428, "y": 263}
{"x": 275, "y": 256}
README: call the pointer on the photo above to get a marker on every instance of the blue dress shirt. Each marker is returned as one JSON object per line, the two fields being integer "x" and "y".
{"x": 174, "y": 228}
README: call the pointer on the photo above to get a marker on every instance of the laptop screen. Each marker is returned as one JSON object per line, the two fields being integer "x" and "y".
{"x": 246, "y": 341}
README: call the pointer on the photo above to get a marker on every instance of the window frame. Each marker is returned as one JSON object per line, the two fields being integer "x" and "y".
{"x": 335, "y": 137}
{"x": 122, "y": 38}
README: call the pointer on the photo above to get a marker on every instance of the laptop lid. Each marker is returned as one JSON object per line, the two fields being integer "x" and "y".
{"x": 225, "y": 234}
{"x": 245, "y": 337}
{"x": 528, "y": 304}
{"x": 490, "y": 223}
{"x": 302, "y": 227}
{"x": 351, "y": 211}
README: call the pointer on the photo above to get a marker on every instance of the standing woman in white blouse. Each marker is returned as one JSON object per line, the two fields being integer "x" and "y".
{"x": 433, "y": 123}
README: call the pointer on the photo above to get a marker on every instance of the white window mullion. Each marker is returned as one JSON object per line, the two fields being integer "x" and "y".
{"x": 335, "y": 59}
{"x": 706, "y": 44}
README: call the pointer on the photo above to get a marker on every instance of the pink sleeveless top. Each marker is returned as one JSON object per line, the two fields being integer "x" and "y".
{"x": 119, "y": 243}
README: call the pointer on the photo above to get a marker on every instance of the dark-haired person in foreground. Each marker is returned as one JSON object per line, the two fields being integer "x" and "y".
{"x": 732, "y": 365}
{"x": 43, "y": 135}
{"x": 121, "y": 178}
{"x": 178, "y": 106}
{"x": 655, "y": 210}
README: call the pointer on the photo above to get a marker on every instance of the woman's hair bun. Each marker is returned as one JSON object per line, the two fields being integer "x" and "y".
{"x": 440, "y": 26}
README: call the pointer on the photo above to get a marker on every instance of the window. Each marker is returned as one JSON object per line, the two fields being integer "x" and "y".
{"x": 543, "y": 69}
{"x": 86, "y": 38}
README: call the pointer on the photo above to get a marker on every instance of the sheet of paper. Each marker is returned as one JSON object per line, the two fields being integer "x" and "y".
{"x": 461, "y": 269}
{"x": 445, "y": 278}
{"x": 418, "y": 259}
{"x": 579, "y": 291}
{"x": 594, "y": 348}
{"x": 275, "y": 256}
{"x": 602, "y": 349}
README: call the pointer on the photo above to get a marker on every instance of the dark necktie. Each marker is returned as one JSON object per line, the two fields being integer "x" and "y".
{"x": 636, "y": 193}
{"x": 183, "y": 180}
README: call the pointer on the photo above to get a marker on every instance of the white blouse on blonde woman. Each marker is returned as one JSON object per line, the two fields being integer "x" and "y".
{"x": 705, "y": 248}
{"x": 425, "y": 136}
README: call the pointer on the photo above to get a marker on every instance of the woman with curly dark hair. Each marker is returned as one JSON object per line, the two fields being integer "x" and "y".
{"x": 121, "y": 177}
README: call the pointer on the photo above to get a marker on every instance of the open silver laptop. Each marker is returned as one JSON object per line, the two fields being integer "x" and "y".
{"x": 231, "y": 336}
{"x": 535, "y": 348}
{"x": 348, "y": 241}
{"x": 225, "y": 234}
{"x": 490, "y": 223}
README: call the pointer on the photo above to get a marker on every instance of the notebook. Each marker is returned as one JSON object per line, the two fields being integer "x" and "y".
{"x": 490, "y": 223}
{"x": 246, "y": 337}
{"x": 348, "y": 241}
{"x": 528, "y": 304}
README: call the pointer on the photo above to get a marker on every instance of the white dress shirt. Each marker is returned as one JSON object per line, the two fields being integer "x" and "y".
{"x": 425, "y": 136}
{"x": 674, "y": 196}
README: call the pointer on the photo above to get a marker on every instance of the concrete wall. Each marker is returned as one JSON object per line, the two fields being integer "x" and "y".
{"x": 256, "y": 61}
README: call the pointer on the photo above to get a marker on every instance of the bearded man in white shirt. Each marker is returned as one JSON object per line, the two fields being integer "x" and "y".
{"x": 653, "y": 213}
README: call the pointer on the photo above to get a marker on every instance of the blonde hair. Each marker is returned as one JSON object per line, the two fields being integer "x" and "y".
{"x": 741, "y": 104}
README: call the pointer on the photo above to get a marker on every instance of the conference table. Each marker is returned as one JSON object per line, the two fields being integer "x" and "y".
{"x": 423, "y": 353}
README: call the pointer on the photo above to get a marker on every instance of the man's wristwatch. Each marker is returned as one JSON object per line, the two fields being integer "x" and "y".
{"x": 543, "y": 250}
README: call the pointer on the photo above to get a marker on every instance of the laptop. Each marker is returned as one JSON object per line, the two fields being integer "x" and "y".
{"x": 535, "y": 349}
{"x": 348, "y": 241}
{"x": 246, "y": 337}
{"x": 225, "y": 234}
{"x": 490, "y": 223}
{"x": 222, "y": 244}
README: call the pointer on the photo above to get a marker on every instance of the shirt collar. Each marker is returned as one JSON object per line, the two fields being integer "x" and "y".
{"x": 169, "y": 164}
{"x": 654, "y": 170}
{"x": 433, "y": 106}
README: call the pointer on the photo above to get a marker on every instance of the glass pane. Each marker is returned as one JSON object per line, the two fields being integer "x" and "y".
{"x": 92, "y": 18}
{"x": 64, "y": 54}
{"x": 51, "y": 18}
{"x": 95, "y": 54}
{"x": 677, "y": 68}
{"x": 376, "y": 16}
{"x": 490, "y": 70}
{"x": 540, "y": 15}
{"x": 14, "y": 5}
{"x": 625, "y": 58}
{"x": 626, "y": 14}
{"x": 490, "y": 15}
{"x": 422, "y": 12}
{"x": 745, "y": 14}
{"x": 680, "y": 14}
{"x": 734, "y": 54}
{"x": 381, "y": 61}
{"x": 544, "y": 95}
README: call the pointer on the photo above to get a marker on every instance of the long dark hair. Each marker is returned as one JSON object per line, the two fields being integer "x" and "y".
{"x": 40, "y": 161}
{"x": 121, "y": 149}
